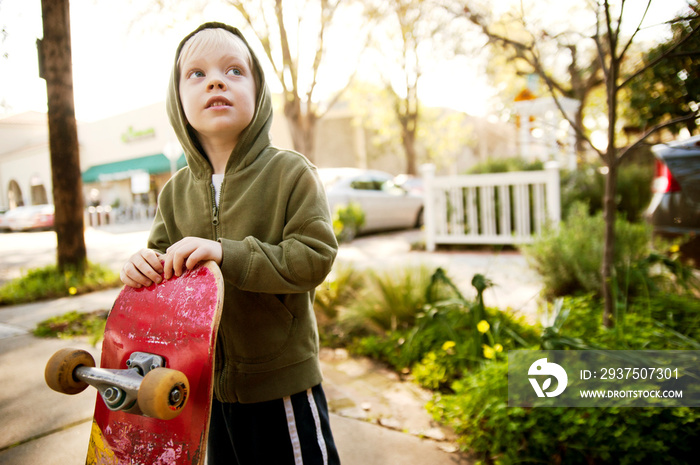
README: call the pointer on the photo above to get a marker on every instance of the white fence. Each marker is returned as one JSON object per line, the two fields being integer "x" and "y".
{"x": 500, "y": 208}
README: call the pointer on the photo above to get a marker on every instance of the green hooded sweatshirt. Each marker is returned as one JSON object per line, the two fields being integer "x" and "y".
{"x": 278, "y": 245}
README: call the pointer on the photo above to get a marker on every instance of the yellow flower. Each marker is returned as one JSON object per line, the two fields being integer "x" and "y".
{"x": 674, "y": 248}
{"x": 498, "y": 348}
{"x": 488, "y": 351}
{"x": 448, "y": 345}
{"x": 72, "y": 290}
{"x": 482, "y": 326}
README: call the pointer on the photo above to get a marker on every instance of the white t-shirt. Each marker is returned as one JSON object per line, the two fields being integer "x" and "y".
{"x": 217, "y": 179}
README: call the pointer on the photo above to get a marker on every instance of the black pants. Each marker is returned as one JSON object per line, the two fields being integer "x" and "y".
{"x": 294, "y": 430}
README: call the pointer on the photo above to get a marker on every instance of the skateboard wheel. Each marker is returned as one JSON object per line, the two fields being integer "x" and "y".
{"x": 163, "y": 393}
{"x": 60, "y": 368}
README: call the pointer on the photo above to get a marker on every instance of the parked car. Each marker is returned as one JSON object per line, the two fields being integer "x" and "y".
{"x": 413, "y": 184}
{"x": 31, "y": 217}
{"x": 385, "y": 204}
{"x": 675, "y": 205}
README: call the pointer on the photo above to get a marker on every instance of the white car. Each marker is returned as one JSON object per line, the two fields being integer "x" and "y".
{"x": 385, "y": 204}
{"x": 30, "y": 217}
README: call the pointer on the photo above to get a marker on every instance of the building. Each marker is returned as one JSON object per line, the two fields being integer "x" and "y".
{"x": 126, "y": 159}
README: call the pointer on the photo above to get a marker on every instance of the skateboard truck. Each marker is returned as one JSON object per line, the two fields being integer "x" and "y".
{"x": 120, "y": 388}
{"x": 145, "y": 387}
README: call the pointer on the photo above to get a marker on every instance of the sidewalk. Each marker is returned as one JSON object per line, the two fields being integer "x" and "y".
{"x": 377, "y": 419}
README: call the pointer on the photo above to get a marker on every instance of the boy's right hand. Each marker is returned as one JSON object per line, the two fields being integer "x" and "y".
{"x": 142, "y": 269}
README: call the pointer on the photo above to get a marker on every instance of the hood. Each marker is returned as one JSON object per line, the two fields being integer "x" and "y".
{"x": 252, "y": 140}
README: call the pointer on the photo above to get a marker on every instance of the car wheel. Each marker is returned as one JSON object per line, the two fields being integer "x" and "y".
{"x": 419, "y": 218}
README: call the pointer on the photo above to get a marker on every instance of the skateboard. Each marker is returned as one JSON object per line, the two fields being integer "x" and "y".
{"x": 155, "y": 381}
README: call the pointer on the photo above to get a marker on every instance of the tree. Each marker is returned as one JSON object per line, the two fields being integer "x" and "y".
{"x": 612, "y": 47}
{"x": 669, "y": 89}
{"x": 559, "y": 55}
{"x": 293, "y": 36}
{"x": 55, "y": 67}
{"x": 415, "y": 30}
{"x": 441, "y": 138}
{"x": 301, "y": 107}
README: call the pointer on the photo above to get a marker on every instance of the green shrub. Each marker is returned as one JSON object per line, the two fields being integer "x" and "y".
{"x": 390, "y": 301}
{"x": 661, "y": 322}
{"x": 503, "y": 165}
{"x": 49, "y": 283}
{"x": 569, "y": 258}
{"x": 347, "y": 221}
{"x": 447, "y": 336}
{"x": 333, "y": 297}
{"x": 478, "y": 412}
{"x": 435, "y": 341}
{"x": 679, "y": 313}
{"x": 587, "y": 185}
{"x": 74, "y": 324}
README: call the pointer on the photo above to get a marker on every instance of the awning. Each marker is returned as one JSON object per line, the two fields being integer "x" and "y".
{"x": 125, "y": 169}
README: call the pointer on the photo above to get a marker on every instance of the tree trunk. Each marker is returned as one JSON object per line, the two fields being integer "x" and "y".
{"x": 56, "y": 69}
{"x": 409, "y": 145}
{"x": 609, "y": 207}
{"x": 609, "y": 213}
{"x": 302, "y": 128}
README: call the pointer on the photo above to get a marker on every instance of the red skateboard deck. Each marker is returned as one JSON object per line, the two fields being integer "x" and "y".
{"x": 177, "y": 320}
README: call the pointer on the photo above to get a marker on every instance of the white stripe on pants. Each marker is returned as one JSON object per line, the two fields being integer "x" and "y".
{"x": 294, "y": 434}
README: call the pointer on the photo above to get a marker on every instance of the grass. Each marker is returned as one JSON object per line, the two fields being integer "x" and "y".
{"x": 48, "y": 283}
{"x": 74, "y": 324}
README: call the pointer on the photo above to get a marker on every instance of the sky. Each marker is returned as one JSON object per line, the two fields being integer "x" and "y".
{"x": 117, "y": 69}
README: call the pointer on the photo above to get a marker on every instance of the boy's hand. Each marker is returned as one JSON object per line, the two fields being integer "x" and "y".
{"x": 142, "y": 269}
{"x": 188, "y": 252}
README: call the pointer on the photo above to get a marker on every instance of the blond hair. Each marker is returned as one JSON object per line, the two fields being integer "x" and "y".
{"x": 213, "y": 38}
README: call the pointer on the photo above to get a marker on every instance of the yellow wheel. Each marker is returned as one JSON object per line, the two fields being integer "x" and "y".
{"x": 163, "y": 393}
{"x": 60, "y": 368}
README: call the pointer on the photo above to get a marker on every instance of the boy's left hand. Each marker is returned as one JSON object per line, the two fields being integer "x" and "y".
{"x": 187, "y": 253}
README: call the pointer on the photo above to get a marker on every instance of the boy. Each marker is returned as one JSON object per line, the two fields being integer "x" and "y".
{"x": 261, "y": 213}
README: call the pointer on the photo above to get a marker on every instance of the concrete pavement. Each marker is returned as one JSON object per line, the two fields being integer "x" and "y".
{"x": 377, "y": 418}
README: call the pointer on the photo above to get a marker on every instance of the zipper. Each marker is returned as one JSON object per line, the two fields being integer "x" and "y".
{"x": 215, "y": 212}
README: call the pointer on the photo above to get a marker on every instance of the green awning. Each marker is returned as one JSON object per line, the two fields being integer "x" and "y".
{"x": 125, "y": 169}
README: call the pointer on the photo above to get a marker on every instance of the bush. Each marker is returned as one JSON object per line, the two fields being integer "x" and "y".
{"x": 49, "y": 283}
{"x": 457, "y": 348}
{"x": 478, "y": 412}
{"x": 587, "y": 185}
{"x": 347, "y": 221}
{"x": 503, "y": 165}
{"x": 447, "y": 336}
{"x": 569, "y": 258}
{"x": 74, "y": 324}
{"x": 390, "y": 300}
{"x": 659, "y": 322}
{"x": 478, "y": 407}
{"x": 340, "y": 291}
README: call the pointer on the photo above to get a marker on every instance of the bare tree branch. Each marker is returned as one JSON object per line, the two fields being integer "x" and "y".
{"x": 660, "y": 58}
{"x": 287, "y": 63}
{"x": 577, "y": 129}
{"x": 599, "y": 48}
{"x": 623, "y": 153}
{"x": 639, "y": 28}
